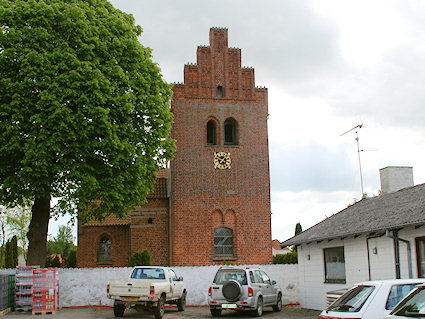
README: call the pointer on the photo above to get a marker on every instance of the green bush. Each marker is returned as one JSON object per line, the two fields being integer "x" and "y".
{"x": 289, "y": 258}
{"x": 140, "y": 258}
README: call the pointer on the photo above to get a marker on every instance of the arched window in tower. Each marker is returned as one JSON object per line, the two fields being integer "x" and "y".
{"x": 104, "y": 249}
{"x": 230, "y": 132}
{"x": 223, "y": 241}
{"x": 219, "y": 91}
{"x": 211, "y": 132}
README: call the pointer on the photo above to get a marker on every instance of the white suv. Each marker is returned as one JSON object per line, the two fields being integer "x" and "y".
{"x": 243, "y": 289}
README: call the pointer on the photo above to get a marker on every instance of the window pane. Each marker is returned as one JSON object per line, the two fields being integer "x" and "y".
{"x": 353, "y": 300}
{"x": 223, "y": 242}
{"x": 420, "y": 251}
{"x": 397, "y": 293}
{"x": 211, "y": 133}
{"x": 105, "y": 249}
{"x": 229, "y": 133}
{"x": 334, "y": 264}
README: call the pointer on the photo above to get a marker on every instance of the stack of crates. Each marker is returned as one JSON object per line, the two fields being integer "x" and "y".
{"x": 24, "y": 287}
{"x": 3, "y": 292}
{"x": 45, "y": 291}
{"x": 11, "y": 288}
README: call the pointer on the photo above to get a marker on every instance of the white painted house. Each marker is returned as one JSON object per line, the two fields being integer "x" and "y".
{"x": 376, "y": 238}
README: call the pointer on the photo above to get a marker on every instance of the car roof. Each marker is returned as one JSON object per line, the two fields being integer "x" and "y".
{"x": 392, "y": 281}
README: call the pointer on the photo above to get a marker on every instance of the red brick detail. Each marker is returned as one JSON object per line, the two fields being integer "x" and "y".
{"x": 200, "y": 193}
{"x": 88, "y": 246}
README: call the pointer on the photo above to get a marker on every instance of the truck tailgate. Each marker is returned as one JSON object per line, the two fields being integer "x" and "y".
{"x": 130, "y": 288}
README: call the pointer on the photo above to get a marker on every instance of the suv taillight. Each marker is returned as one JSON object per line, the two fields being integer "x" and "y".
{"x": 152, "y": 290}
{"x": 250, "y": 292}
{"x": 107, "y": 288}
{"x": 210, "y": 291}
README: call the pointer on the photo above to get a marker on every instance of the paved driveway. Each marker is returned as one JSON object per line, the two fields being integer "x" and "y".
{"x": 170, "y": 313}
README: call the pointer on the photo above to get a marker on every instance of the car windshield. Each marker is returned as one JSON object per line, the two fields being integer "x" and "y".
{"x": 353, "y": 300}
{"x": 224, "y": 275}
{"x": 413, "y": 305}
{"x": 148, "y": 273}
{"x": 397, "y": 293}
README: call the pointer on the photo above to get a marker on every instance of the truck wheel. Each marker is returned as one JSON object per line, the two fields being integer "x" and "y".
{"x": 215, "y": 312}
{"x": 159, "y": 310}
{"x": 278, "y": 305}
{"x": 181, "y": 303}
{"x": 258, "y": 312}
{"x": 119, "y": 310}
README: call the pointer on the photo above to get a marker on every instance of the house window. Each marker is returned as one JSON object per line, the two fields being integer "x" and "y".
{"x": 334, "y": 264}
{"x": 105, "y": 249}
{"x": 420, "y": 256}
{"x": 211, "y": 132}
{"x": 223, "y": 242}
{"x": 229, "y": 132}
{"x": 219, "y": 91}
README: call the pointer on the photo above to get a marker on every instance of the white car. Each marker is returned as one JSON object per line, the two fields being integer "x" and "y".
{"x": 413, "y": 306}
{"x": 370, "y": 299}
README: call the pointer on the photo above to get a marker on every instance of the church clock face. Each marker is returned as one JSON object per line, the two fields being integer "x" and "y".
{"x": 222, "y": 160}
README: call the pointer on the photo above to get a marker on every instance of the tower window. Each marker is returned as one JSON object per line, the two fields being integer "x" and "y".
{"x": 105, "y": 249}
{"x": 219, "y": 91}
{"x": 211, "y": 132}
{"x": 223, "y": 241}
{"x": 229, "y": 132}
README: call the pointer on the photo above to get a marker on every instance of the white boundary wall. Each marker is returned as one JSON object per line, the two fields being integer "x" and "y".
{"x": 87, "y": 286}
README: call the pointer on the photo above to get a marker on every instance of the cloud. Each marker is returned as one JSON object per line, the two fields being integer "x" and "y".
{"x": 307, "y": 165}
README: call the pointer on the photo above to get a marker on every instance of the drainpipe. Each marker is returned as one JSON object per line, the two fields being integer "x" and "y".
{"x": 368, "y": 254}
{"x": 397, "y": 252}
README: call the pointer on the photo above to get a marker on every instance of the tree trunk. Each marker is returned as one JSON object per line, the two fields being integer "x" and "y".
{"x": 37, "y": 234}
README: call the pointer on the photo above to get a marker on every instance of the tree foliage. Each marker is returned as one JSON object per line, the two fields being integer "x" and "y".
{"x": 62, "y": 245}
{"x": 15, "y": 222}
{"x": 140, "y": 258}
{"x": 289, "y": 258}
{"x": 84, "y": 112}
{"x": 298, "y": 229}
{"x": 11, "y": 253}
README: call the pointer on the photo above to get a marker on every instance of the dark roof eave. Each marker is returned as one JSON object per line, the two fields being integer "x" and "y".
{"x": 291, "y": 242}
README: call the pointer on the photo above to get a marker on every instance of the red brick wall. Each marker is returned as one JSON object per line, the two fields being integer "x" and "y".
{"x": 88, "y": 245}
{"x": 201, "y": 193}
{"x": 149, "y": 230}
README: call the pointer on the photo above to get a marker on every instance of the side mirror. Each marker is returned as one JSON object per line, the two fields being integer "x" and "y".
{"x": 180, "y": 278}
{"x": 274, "y": 282}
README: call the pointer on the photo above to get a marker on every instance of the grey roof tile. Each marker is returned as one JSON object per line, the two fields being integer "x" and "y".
{"x": 405, "y": 207}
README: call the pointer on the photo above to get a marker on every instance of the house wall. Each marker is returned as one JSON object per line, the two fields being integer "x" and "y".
{"x": 311, "y": 269}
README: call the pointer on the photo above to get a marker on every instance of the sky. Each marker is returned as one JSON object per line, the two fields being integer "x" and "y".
{"x": 329, "y": 65}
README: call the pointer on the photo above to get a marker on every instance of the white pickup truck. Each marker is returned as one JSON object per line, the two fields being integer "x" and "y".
{"x": 148, "y": 288}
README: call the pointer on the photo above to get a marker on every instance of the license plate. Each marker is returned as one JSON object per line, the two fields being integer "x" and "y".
{"x": 130, "y": 298}
{"x": 229, "y": 306}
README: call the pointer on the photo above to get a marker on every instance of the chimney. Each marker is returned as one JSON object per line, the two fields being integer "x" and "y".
{"x": 394, "y": 178}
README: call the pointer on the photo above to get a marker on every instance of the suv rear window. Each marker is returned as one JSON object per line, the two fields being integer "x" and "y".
{"x": 228, "y": 274}
{"x": 353, "y": 300}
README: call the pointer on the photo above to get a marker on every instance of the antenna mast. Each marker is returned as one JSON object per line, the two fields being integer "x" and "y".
{"x": 356, "y": 130}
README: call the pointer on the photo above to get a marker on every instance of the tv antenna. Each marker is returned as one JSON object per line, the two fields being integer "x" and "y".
{"x": 356, "y": 130}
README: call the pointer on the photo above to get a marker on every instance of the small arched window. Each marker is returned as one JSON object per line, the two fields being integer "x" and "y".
{"x": 219, "y": 91}
{"x": 104, "y": 249}
{"x": 211, "y": 132}
{"x": 229, "y": 132}
{"x": 223, "y": 241}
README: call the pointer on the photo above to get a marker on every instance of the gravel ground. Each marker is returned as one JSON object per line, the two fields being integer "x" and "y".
{"x": 291, "y": 312}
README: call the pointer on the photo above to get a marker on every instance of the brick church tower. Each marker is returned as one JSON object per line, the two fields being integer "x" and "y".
{"x": 213, "y": 205}
{"x": 220, "y": 185}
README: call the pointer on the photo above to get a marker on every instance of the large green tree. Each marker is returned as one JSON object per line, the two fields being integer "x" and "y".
{"x": 84, "y": 112}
